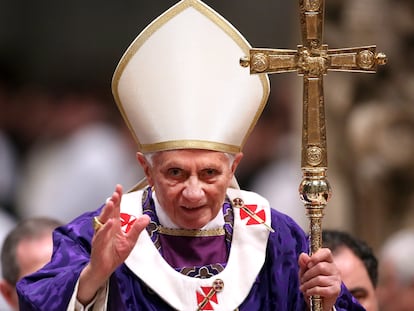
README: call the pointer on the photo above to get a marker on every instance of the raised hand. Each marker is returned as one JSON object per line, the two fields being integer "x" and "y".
{"x": 110, "y": 247}
{"x": 319, "y": 276}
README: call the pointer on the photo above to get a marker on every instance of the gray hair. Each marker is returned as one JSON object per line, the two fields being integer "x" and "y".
{"x": 399, "y": 250}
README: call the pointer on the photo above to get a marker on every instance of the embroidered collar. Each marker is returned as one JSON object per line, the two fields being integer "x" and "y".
{"x": 154, "y": 229}
{"x": 248, "y": 243}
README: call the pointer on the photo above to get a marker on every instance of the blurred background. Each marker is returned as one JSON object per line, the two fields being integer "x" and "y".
{"x": 63, "y": 145}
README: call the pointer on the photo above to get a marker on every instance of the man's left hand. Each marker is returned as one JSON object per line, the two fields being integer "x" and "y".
{"x": 319, "y": 276}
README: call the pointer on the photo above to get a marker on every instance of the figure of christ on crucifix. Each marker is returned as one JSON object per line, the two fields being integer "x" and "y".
{"x": 313, "y": 60}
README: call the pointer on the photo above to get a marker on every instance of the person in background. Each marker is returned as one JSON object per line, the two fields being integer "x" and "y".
{"x": 27, "y": 248}
{"x": 187, "y": 237}
{"x": 8, "y": 162}
{"x": 396, "y": 277}
{"x": 357, "y": 264}
{"x": 7, "y": 223}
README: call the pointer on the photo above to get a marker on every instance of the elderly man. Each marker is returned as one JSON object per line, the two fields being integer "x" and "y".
{"x": 186, "y": 238}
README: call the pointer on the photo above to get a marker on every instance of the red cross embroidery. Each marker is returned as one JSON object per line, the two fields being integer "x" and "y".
{"x": 203, "y": 299}
{"x": 127, "y": 221}
{"x": 261, "y": 215}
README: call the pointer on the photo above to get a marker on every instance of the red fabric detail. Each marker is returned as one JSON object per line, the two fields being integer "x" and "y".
{"x": 127, "y": 221}
{"x": 202, "y": 296}
{"x": 252, "y": 207}
{"x": 261, "y": 214}
{"x": 243, "y": 214}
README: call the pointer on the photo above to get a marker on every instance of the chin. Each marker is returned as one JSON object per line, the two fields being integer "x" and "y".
{"x": 193, "y": 225}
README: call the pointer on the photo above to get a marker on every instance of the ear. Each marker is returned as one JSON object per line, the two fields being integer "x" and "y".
{"x": 9, "y": 293}
{"x": 237, "y": 159}
{"x": 146, "y": 167}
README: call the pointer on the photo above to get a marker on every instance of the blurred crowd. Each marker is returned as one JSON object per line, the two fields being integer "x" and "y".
{"x": 62, "y": 150}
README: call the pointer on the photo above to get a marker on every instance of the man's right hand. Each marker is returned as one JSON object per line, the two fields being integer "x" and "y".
{"x": 110, "y": 247}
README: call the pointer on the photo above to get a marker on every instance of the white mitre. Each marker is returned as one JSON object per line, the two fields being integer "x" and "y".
{"x": 180, "y": 85}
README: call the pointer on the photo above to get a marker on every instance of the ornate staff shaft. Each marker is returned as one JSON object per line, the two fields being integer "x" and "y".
{"x": 314, "y": 189}
{"x": 313, "y": 60}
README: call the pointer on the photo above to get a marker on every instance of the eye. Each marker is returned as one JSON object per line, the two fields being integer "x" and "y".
{"x": 175, "y": 172}
{"x": 359, "y": 294}
{"x": 209, "y": 173}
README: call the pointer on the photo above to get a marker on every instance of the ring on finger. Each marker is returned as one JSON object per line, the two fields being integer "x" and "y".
{"x": 96, "y": 224}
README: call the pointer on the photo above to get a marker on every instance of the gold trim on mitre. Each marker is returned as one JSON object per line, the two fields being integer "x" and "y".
{"x": 190, "y": 144}
{"x": 179, "y": 84}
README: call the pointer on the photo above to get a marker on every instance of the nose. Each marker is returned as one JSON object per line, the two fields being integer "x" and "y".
{"x": 193, "y": 190}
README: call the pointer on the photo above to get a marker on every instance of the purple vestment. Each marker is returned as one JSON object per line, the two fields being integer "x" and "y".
{"x": 276, "y": 286}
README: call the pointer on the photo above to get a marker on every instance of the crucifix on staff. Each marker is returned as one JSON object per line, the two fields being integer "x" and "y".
{"x": 313, "y": 60}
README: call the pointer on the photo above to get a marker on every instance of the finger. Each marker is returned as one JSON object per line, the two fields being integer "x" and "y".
{"x": 116, "y": 196}
{"x": 137, "y": 228}
{"x": 324, "y": 274}
{"x": 319, "y": 264}
{"x": 322, "y": 254}
{"x": 303, "y": 261}
{"x": 103, "y": 234}
{"x": 316, "y": 263}
{"x": 111, "y": 204}
{"x": 116, "y": 199}
{"x": 118, "y": 188}
{"x": 323, "y": 286}
{"x": 107, "y": 211}
{"x": 127, "y": 241}
{"x": 317, "y": 280}
{"x": 323, "y": 291}
{"x": 102, "y": 256}
{"x": 319, "y": 270}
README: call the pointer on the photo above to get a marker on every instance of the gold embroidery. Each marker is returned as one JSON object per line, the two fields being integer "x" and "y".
{"x": 191, "y": 232}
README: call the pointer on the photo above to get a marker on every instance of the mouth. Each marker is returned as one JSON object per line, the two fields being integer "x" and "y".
{"x": 192, "y": 208}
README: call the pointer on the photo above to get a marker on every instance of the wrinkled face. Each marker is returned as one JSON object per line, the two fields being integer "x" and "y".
{"x": 355, "y": 277}
{"x": 190, "y": 184}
